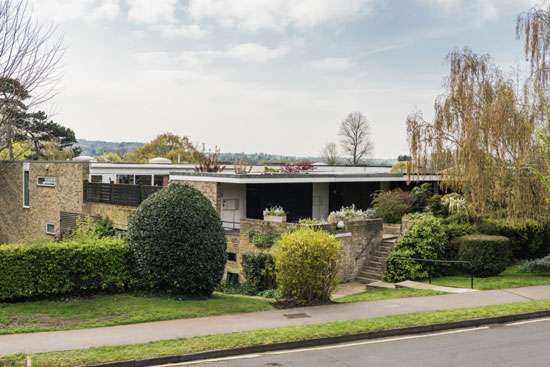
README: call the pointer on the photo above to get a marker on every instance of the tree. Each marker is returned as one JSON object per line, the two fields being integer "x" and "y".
{"x": 330, "y": 154}
{"x": 29, "y": 59}
{"x": 165, "y": 145}
{"x": 355, "y": 137}
{"x": 403, "y": 158}
{"x": 480, "y": 141}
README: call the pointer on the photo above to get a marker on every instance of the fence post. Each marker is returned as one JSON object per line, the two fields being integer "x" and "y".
{"x": 111, "y": 191}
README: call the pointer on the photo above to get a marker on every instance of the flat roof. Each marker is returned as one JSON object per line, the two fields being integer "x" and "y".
{"x": 309, "y": 177}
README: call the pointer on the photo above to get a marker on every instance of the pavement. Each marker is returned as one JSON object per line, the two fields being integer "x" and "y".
{"x": 162, "y": 330}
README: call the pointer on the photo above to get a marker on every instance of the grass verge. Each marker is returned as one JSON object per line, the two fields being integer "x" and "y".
{"x": 265, "y": 336}
{"x": 512, "y": 277}
{"x": 123, "y": 309}
{"x": 390, "y": 293}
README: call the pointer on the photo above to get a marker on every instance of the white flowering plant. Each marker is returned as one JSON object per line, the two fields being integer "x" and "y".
{"x": 275, "y": 211}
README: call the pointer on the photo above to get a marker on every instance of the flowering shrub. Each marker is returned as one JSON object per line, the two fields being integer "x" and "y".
{"x": 276, "y": 211}
{"x": 349, "y": 213}
{"x": 456, "y": 205}
{"x": 297, "y": 168}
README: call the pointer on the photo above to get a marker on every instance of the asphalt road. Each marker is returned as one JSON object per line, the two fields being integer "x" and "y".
{"x": 521, "y": 344}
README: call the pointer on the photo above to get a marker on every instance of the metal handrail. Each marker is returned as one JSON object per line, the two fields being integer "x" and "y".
{"x": 442, "y": 261}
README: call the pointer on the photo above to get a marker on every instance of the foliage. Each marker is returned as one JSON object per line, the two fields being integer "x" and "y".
{"x": 425, "y": 239}
{"x": 309, "y": 221}
{"x": 306, "y": 264}
{"x": 105, "y": 228}
{"x": 98, "y": 147}
{"x": 489, "y": 255}
{"x": 19, "y": 148}
{"x": 241, "y": 166}
{"x": 262, "y": 241}
{"x": 355, "y": 137}
{"x": 270, "y": 170}
{"x": 436, "y": 206}
{"x": 109, "y": 157}
{"x": 259, "y": 270}
{"x": 421, "y": 194}
{"x": 303, "y": 166}
{"x": 209, "y": 162}
{"x": 480, "y": 141}
{"x": 391, "y": 205}
{"x": 165, "y": 145}
{"x": 347, "y": 214}
{"x": 275, "y": 211}
{"x": 541, "y": 265}
{"x": 44, "y": 269}
{"x": 329, "y": 153}
{"x": 178, "y": 242}
{"x": 454, "y": 230}
{"x": 528, "y": 240}
{"x": 404, "y": 167}
{"x": 457, "y": 206}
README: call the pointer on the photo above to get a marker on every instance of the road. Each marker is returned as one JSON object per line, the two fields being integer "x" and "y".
{"x": 519, "y": 344}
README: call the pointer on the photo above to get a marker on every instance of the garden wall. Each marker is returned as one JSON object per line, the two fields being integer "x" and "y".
{"x": 358, "y": 241}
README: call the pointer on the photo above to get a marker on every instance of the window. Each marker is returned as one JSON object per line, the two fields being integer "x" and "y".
{"x": 97, "y": 178}
{"x": 231, "y": 256}
{"x": 125, "y": 179}
{"x": 161, "y": 180}
{"x": 50, "y": 228}
{"x": 143, "y": 180}
{"x": 45, "y": 181}
{"x": 26, "y": 193}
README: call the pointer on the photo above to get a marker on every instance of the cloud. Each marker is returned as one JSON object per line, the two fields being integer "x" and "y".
{"x": 255, "y": 52}
{"x": 152, "y": 12}
{"x": 331, "y": 64}
{"x": 276, "y": 15}
{"x": 193, "y": 31}
{"x": 70, "y": 10}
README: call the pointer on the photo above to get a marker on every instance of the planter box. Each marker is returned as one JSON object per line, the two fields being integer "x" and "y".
{"x": 275, "y": 218}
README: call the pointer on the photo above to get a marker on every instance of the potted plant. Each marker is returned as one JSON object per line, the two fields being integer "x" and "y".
{"x": 275, "y": 214}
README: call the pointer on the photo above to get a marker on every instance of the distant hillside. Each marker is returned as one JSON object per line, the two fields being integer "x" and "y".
{"x": 97, "y": 147}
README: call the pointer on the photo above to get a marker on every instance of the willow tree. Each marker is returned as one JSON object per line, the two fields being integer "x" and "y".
{"x": 533, "y": 27}
{"x": 480, "y": 140}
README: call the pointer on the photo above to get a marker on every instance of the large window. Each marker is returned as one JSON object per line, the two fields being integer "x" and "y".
{"x": 143, "y": 180}
{"x": 125, "y": 179}
{"x": 26, "y": 187}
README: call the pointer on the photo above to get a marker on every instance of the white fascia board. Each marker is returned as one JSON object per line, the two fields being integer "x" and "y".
{"x": 308, "y": 179}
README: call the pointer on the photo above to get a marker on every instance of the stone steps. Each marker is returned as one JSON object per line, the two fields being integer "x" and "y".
{"x": 373, "y": 269}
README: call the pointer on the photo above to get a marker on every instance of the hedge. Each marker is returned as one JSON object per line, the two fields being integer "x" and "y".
{"x": 45, "y": 269}
{"x": 489, "y": 255}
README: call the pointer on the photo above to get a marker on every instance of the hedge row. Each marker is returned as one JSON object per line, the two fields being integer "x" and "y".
{"x": 63, "y": 268}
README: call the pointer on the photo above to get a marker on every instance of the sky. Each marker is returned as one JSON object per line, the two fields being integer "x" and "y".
{"x": 274, "y": 76}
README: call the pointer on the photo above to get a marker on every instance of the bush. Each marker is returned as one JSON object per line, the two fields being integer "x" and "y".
{"x": 44, "y": 269}
{"x": 105, "y": 228}
{"x": 454, "y": 230}
{"x": 177, "y": 241}
{"x": 306, "y": 263}
{"x": 391, "y": 205}
{"x": 425, "y": 239}
{"x": 529, "y": 240}
{"x": 536, "y": 266}
{"x": 435, "y": 205}
{"x": 421, "y": 194}
{"x": 259, "y": 270}
{"x": 489, "y": 255}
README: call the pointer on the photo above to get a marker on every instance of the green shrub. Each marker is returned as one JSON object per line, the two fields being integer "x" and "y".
{"x": 105, "y": 228}
{"x": 536, "y": 266}
{"x": 310, "y": 221}
{"x": 454, "y": 230}
{"x": 262, "y": 241}
{"x": 177, "y": 241}
{"x": 44, "y": 269}
{"x": 425, "y": 239}
{"x": 435, "y": 205}
{"x": 421, "y": 194}
{"x": 391, "y": 205}
{"x": 259, "y": 270}
{"x": 489, "y": 255}
{"x": 306, "y": 263}
{"x": 529, "y": 240}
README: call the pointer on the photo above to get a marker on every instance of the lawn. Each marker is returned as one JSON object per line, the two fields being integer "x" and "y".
{"x": 512, "y": 277}
{"x": 265, "y": 336}
{"x": 380, "y": 294}
{"x": 81, "y": 313}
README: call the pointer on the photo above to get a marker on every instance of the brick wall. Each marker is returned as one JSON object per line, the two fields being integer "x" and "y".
{"x": 212, "y": 190}
{"x": 46, "y": 203}
{"x": 119, "y": 214}
{"x": 358, "y": 241}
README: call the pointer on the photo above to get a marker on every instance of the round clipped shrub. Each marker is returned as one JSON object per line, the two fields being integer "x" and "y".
{"x": 178, "y": 242}
{"x": 489, "y": 255}
{"x": 306, "y": 264}
{"x": 425, "y": 239}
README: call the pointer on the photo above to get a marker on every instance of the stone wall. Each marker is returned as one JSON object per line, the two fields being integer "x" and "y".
{"x": 358, "y": 241}
{"x": 390, "y": 228}
{"x": 45, "y": 204}
{"x": 212, "y": 190}
{"x": 119, "y": 214}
